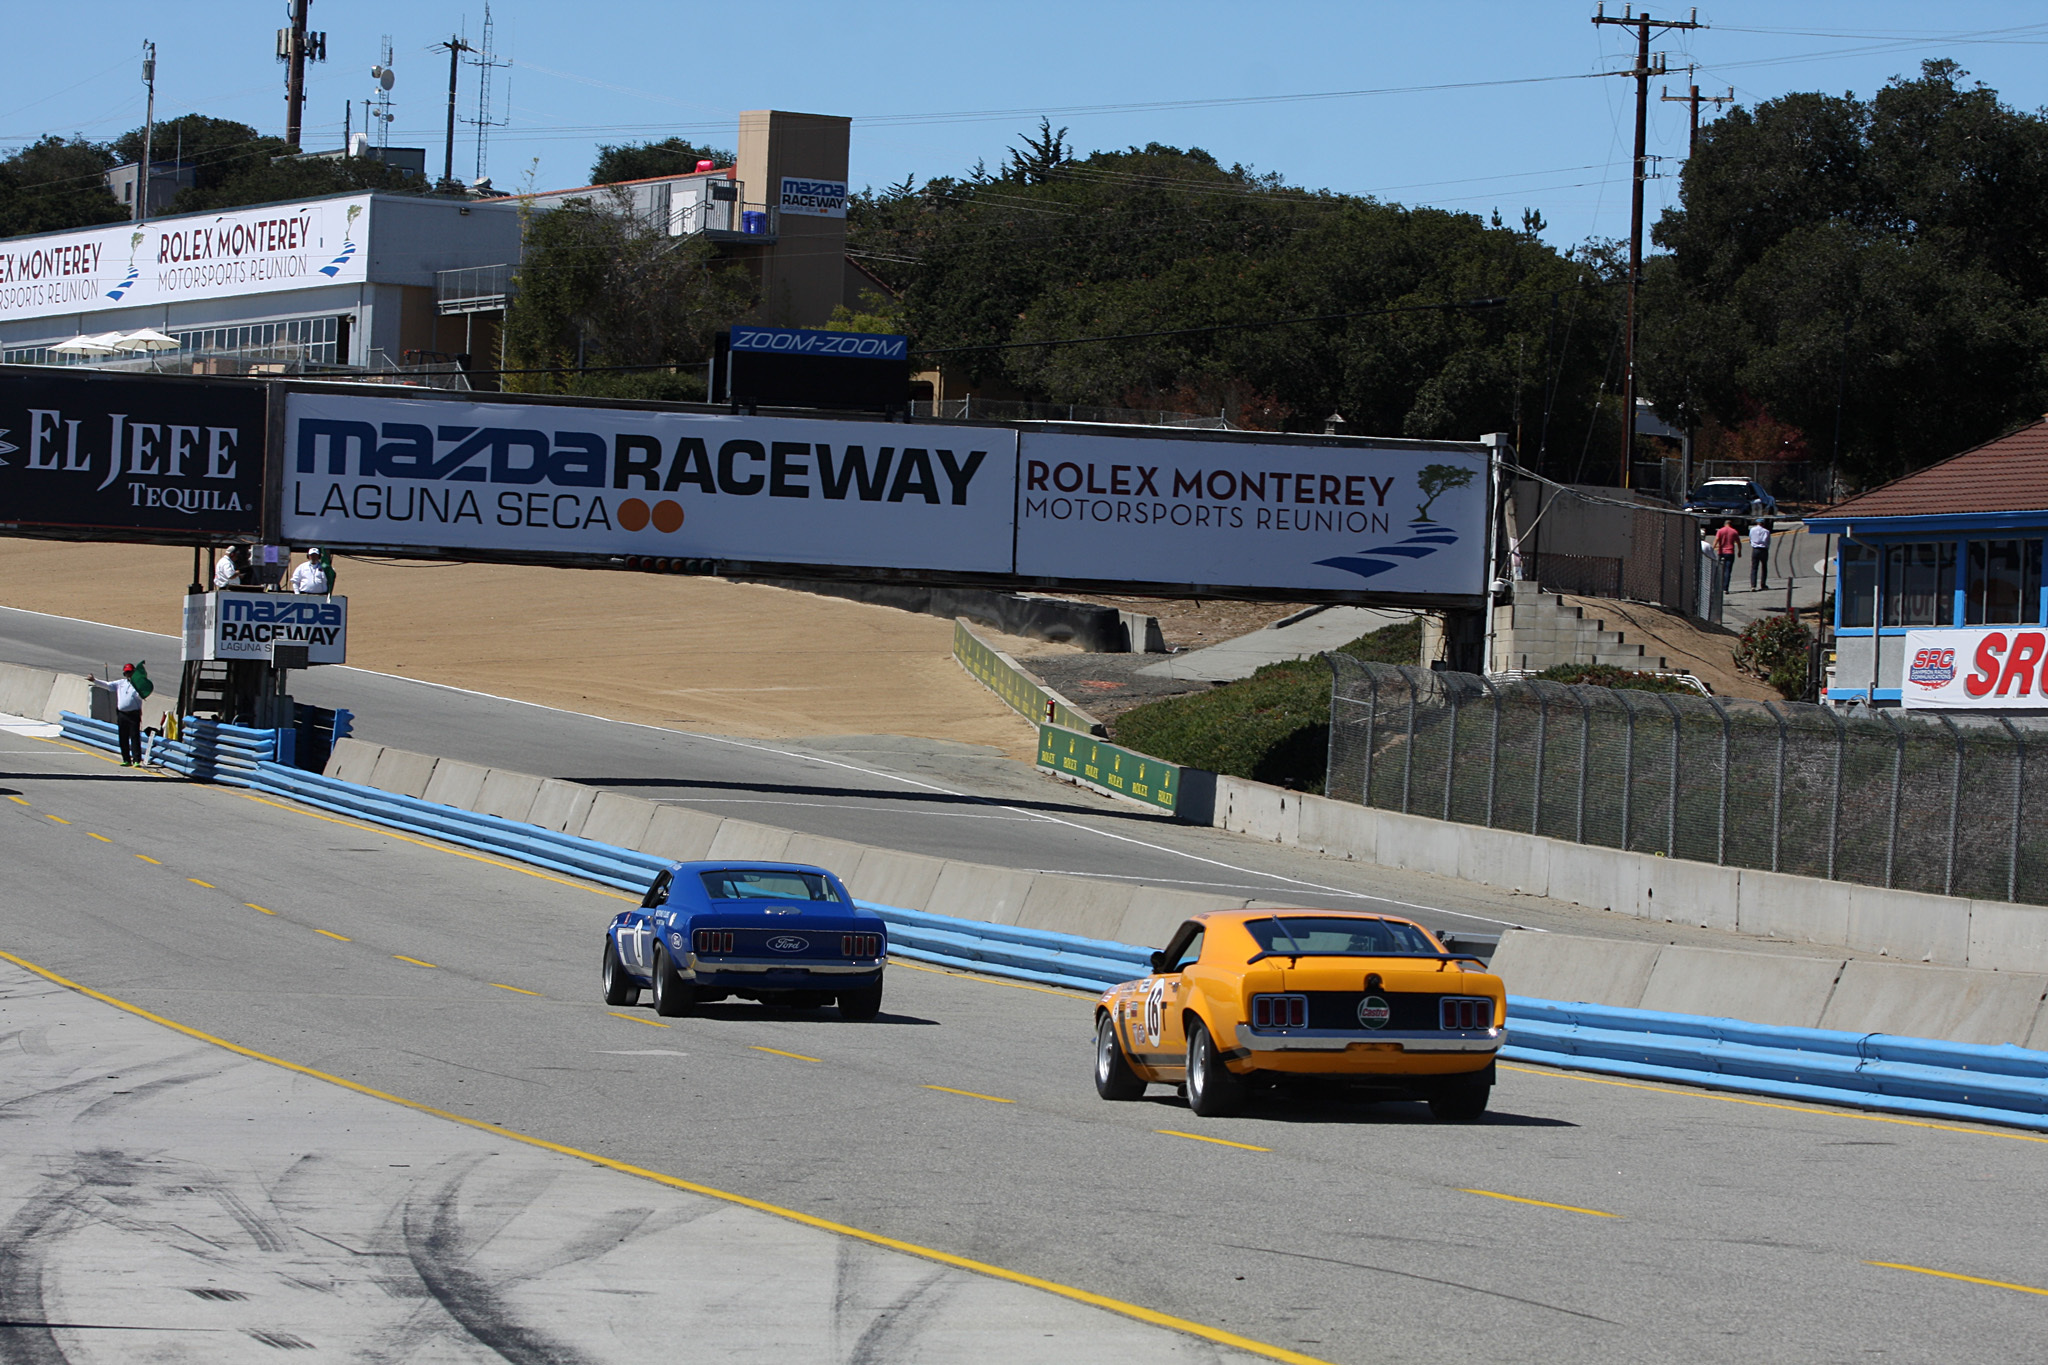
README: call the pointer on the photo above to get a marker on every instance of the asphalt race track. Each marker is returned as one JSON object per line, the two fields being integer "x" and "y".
{"x": 1585, "y": 1220}
{"x": 918, "y": 796}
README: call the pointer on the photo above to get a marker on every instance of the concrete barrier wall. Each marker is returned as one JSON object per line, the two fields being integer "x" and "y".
{"x": 1856, "y": 995}
{"x": 25, "y": 691}
{"x": 1908, "y": 925}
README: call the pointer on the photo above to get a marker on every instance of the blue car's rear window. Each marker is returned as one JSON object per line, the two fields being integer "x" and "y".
{"x": 767, "y": 884}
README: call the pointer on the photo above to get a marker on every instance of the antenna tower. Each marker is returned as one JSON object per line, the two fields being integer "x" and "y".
{"x": 486, "y": 57}
{"x": 381, "y": 73}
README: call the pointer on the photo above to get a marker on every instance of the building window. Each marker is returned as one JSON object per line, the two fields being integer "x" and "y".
{"x": 1920, "y": 584}
{"x": 2004, "y": 583}
{"x": 1858, "y": 589}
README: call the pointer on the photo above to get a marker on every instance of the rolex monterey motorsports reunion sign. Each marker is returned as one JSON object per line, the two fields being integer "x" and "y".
{"x": 532, "y": 479}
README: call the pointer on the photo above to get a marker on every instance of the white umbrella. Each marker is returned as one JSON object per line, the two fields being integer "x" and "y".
{"x": 82, "y": 345}
{"x": 144, "y": 340}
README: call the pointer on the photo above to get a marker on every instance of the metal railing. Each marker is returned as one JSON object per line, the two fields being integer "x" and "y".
{"x": 1007, "y": 410}
{"x": 474, "y": 288}
{"x": 1950, "y": 805}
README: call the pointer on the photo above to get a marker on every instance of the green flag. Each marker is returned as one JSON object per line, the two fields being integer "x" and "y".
{"x": 139, "y": 680}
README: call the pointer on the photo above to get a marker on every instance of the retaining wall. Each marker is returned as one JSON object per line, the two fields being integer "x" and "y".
{"x": 1947, "y": 931}
{"x": 1857, "y": 995}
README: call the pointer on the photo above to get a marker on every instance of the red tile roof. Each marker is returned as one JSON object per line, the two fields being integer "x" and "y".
{"x": 2009, "y": 474}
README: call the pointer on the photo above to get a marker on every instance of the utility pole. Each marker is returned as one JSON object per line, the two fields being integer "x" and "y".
{"x": 455, "y": 47}
{"x": 1696, "y": 99}
{"x": 1643, "y": 24}
{"x": 294, "y": 47}
{"x": 143, "y": 175}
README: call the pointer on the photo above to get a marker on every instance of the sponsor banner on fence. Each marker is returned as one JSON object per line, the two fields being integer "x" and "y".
{"x": 249, "y": 625}
{"x": 1981, "y": 668}
{"x": 1096, "y": 763}
{"x": 168, "y": 457}
{"x": 392, "y": 472}
{"x": 133, "y": 265}
{"x": 1228, "y": 513}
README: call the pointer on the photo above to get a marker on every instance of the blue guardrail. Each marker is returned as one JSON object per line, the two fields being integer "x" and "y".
{"x": 1920, "y": 1076}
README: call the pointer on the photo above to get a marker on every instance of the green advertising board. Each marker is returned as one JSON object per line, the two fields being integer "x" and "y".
{"x": 1105, "y": 767}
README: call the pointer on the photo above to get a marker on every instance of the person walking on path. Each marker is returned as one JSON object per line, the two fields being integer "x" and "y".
{"x": 127, "y": 713}
{"x": 1759, "y": 555}
{"x": 1724, "y": 545}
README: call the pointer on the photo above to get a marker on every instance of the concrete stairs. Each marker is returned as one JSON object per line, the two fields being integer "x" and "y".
{"x": 1539, "y": 630}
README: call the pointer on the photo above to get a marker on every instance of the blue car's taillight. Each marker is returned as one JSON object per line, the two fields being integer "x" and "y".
{"x": 712, "y": 940}
{"x": 860, "y": 945}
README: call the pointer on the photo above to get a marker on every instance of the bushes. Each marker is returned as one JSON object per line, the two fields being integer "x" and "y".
{"x": 1271, "y": 727}
{"x": 1607, "y": 675}
{"x": 1776, "y": 648}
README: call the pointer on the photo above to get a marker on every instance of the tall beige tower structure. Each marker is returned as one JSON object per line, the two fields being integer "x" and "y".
{"x": 795, "y": 166}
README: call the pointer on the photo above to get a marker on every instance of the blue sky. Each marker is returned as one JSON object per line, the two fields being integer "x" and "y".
{"x": 932, "y": 87}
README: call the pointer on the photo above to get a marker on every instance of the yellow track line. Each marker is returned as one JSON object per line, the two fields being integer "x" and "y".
{"x": 970, "y": 1094}
{"x": 1220, "y": 1142}
{"x": 780, "y": 1053}
{"x": 413, "y": 960}
{"x": 147, "y": 859}
{"x": 58, "y": 818}
{"x": 253, "y": 906}
{"x": 1563, "y": 1075}
{"x": 101, "y": 837}
{"x": 208, "y": 885}
{"x": 1130, "y": 1310}
{"x": 1540, "y": 1203}
{"x": 516, "y": 990}
{"x": 18, "y": 800}
{"x": 651, "y": 1023}
{"x": 331, "y": 934}
{"x": 1966, "y": 1279}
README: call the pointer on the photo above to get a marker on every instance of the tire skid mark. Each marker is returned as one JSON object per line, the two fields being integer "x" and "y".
{"x": 435, "y": 1242}
{"x": 893, "y": 1334}
{"x": 27, "y": 1237}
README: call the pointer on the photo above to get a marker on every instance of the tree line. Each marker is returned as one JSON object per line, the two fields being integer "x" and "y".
{"x": 1864, "y": 281}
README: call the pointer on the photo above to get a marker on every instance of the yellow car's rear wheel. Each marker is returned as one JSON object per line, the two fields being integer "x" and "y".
{"x": 1213, "y": 1090}
{"x": 1114, "y": 1078}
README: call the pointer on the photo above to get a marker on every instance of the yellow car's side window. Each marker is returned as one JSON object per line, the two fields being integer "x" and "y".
{"x": 1189, "y": 952}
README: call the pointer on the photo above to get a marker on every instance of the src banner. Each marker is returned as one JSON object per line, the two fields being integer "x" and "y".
{"x": 173, "y": 459}
{"x": 1393, "y": 519}
{"x": 417, "y": 473}
{"x": 1988, "y": 668}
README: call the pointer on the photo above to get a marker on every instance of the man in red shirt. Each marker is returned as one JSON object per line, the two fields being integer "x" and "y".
{"x": 1725, "y": 541}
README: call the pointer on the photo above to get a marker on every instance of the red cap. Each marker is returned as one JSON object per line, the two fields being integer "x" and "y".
{"x": 127, "y": 668}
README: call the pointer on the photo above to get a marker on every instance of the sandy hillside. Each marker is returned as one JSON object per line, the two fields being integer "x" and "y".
{"x": 691, "y": 653}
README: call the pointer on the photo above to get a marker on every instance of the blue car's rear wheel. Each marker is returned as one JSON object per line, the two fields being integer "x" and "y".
{"x": 861, "y": 1005}
{"x": 619, "y": 986}
{"x": 673, "y": 996}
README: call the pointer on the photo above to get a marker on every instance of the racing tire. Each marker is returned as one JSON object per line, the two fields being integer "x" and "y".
{"x": 1214, "y": 1091}
{"x": 619, "y": 986}
{"x": 1463, "y": 1099}
{"x": 862, "y": 1005}
{"x": 1114, "y": 1078}
{"x": 673, "y": 996}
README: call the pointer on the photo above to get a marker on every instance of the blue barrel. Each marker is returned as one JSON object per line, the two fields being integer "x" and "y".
{"x": 754, "y": 221}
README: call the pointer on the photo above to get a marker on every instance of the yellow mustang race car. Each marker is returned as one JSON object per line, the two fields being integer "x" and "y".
{"x": 1243, "y": 998}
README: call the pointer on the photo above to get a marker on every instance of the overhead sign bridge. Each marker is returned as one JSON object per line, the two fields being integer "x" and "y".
{"x": 608, "y": 484}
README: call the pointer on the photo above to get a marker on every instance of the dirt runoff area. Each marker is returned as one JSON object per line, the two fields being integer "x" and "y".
{"x": 686, "y": 653}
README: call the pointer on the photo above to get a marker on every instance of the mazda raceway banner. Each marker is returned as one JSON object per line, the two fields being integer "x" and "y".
{"x": 1981, "y": 668}
{"x": 455, "y": 476}
{"x": 130, "y": 457}
{"x": 134, "y": 265}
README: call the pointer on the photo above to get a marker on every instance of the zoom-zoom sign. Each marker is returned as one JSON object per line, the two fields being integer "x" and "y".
{"x": 376, "y": 472}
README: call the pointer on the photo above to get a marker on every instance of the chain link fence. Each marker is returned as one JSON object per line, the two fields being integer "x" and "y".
{"x": 1950, "y": 805}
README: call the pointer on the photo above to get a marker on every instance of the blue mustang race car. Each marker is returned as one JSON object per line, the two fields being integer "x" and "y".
{"x": 781, "y": 933}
